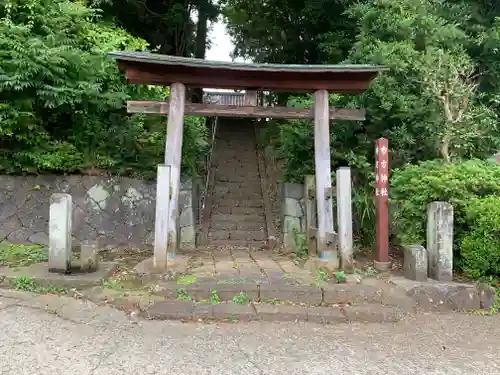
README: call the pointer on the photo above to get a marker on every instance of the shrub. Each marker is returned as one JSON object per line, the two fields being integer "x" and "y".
{"x": 480, "y": 246}
{"x": 414, "y": 186}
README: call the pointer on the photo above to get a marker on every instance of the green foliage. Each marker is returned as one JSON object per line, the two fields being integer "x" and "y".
{"x": 241, "y": 299}
{"x": 480, "y": 245}
{"x": 415, "y": 186}
{"x": 214, "y": 297}
{"x": 19, "y": 255}
{"x": 24, "y": 283}
{"x": 62, "y": 99}
{"x": 29, "y": 284}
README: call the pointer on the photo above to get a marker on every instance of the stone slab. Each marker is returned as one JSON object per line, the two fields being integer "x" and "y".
{"x": 325, "y": 315}
{"x": 436, "y": 296}
{"x": 335, "y": 294}
{"x": 283, "y": 313}
{"x": 310, "y": 295}
{"x": 373, "y": 313}
{"x": 40, "y": 273}
{"x": 170, "y": 310}
{"x": 234, "y": 311}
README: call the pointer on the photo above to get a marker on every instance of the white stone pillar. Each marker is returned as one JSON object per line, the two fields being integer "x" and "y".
{"x": 162, "y": 217}
{"x": 60, "y": 232}
{"x": 440, "y": 240}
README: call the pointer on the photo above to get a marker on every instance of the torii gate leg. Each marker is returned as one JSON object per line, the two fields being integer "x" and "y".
{"x": 168, "y": 183}
{"x": 326, "y": 241}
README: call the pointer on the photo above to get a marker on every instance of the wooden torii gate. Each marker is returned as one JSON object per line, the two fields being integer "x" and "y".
{"x": 179, "y": 72}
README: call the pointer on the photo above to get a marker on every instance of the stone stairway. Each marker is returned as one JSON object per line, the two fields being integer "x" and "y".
{"x": 237, "y": 213}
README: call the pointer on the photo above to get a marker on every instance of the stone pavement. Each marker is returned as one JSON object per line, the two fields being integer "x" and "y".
{"x": 58, "y": 335}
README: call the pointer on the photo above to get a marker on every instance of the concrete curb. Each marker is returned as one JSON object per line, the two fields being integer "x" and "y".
{"x": 229, "y": 311}
{"x": 326, "y": 294}
{"x": 403, "y": 293}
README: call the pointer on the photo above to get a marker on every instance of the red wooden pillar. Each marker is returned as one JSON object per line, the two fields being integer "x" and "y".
{"x": 382, "y": 203}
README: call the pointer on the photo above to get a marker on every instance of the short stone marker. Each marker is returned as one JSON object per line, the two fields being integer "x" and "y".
{"x": 415, "y": 263}
{"x": 60, "y": 233}
{"x": 440, "y": 240}
{"x": 89, "y": 256}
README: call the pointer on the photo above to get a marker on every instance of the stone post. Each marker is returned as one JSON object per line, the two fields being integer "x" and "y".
{"x": 163, "y": 191}
{"x": 440, "y": 240}
{"x": 344, "y": 217}
{"x": 415, "y": 263}
{"x": 310, "y": 208}
{"x": 89, "y": 255}
{"x": 60, "y": 232}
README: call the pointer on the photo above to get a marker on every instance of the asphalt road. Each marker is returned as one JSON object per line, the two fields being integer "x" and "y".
{"x": 54, "y": 335}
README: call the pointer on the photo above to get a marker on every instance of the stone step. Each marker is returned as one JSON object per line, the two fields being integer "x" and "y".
{"x": 237, "y": 235}
{"x": 225, "y": 190}
{"x": 189, "y": 310}
{"x": 241, "y": 203}
{"x": 252, "y": 223}
{"x": 255, "y": 245}
{"x": 238, "y": 218}
{"x": 259, "y": 212}
{"x": 237, "y": 197}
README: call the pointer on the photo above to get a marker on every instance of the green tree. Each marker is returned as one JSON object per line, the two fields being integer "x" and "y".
{"x": 62, "y": 99}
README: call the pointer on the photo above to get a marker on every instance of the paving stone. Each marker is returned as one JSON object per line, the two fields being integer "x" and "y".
{"x": 268, "y": 264}
{"x": 351, "y": 293}
{"x": 171, "y": 310}
{"x": 281, "y": 278}
{"x": 373, "y": 313}
{"x": 248, "y": 235}
{"x": 223, "y": 276}
{"x": 288, "y": 266}
{"x": 325, "y": 315}
{"x": 310, "y": 295}
{"x": 283, "y": 313}
{"x": 234, "y": 311}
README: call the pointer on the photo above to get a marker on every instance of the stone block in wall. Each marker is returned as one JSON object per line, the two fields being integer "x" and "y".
{"x": 292, "y": 190}
{"x": 188, "y": 235}
{"x": 187, "y": 217}
{"x": 292, "y": 207}
{"x": 116, "y": 210}
{"x": 291, "y": 223}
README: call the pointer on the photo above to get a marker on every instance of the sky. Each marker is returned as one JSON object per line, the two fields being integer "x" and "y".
{"x": 221, "y": 44}
{"x": 221, "y": 47}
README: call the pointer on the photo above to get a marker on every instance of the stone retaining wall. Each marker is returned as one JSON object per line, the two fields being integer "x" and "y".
{"x": 120, "y": 211}
{"x": 292, "y": 213}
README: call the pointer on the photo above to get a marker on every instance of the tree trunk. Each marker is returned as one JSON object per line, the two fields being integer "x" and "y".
{"x": 200, "y": 43}
{"x": 445, "y": 148}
